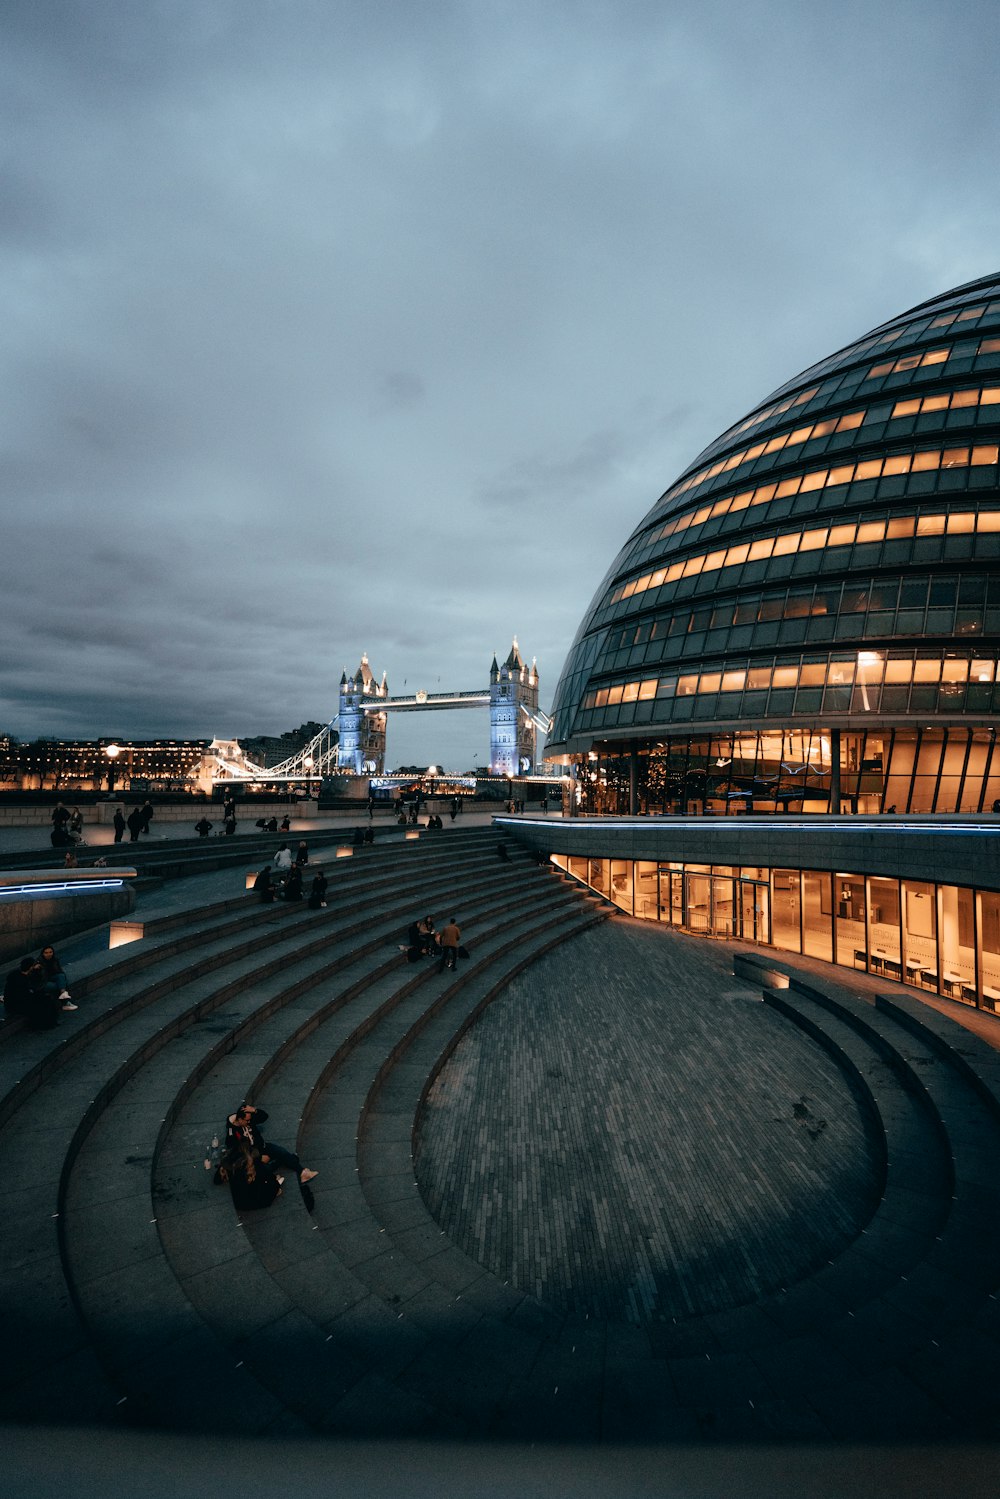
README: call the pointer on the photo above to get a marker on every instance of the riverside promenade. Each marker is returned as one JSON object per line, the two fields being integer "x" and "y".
{"x": 591, "y": 1193}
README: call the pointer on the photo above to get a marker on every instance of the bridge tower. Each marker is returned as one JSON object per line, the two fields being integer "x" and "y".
{"x": 513, "y": 735}
{"x": 361, "y": 748}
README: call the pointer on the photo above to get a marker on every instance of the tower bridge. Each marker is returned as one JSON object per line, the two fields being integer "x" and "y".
{"x": 354, "y": 741}
{"x": 511, "y": 696}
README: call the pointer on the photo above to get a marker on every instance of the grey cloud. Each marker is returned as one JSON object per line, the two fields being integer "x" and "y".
{"x": 335, "y": 327}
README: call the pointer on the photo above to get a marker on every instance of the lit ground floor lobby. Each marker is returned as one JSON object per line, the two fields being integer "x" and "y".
{"x": 912, "y": 901}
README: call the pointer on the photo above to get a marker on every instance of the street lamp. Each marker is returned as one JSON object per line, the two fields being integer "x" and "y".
{"x": 112, "y": 751}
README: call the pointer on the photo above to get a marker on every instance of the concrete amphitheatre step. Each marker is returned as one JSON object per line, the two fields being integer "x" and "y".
{"x": 344, "y": 1034}
{"x": 72, "y": 1090}
{"x": 929, "y": 1314}
{"x": 215, "y": 929}
{"x": 147, "y": 1300}
{"x": 33, "y": 1057}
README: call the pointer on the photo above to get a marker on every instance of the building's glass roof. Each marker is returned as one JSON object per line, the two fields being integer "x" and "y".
{"x": 832, "y": 555}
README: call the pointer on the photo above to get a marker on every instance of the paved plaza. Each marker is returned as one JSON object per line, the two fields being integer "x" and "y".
{"x": 631, "y": 1134}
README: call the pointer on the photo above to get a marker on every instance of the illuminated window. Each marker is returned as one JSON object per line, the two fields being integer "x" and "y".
{"x": 989, "y": 346}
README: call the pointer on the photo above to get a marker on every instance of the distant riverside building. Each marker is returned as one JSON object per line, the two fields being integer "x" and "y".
{"x": 85, "y": 765}
{"x": 272, "y": 749}
{"x": 809, "y": 617}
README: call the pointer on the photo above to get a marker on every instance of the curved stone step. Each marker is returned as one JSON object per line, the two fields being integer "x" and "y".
{"x": 132, "y": 1215}
{"x": 77, "y": 1084}
{"x": 343, "y": 1291}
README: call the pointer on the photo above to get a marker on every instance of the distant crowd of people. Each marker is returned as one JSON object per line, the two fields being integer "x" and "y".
{"x": 283, "y": 878}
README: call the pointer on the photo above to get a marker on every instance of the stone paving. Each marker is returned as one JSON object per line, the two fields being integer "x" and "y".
{"x": 632, "y": 1134}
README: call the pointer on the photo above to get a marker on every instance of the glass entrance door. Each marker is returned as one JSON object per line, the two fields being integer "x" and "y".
{"x": 754, "y": 911}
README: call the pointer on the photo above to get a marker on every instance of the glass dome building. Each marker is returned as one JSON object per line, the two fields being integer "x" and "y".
{"x": 809, "y": 618}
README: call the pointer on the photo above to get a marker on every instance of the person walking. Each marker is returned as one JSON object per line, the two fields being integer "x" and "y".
{"x": 450, "y": 941}
{"x": 119, "y": 824}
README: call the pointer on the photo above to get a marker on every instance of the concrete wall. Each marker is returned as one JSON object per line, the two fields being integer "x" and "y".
{"x": 28, "y": 923}
{"x": 953, "y": 850}
{"x": 103, "y": 812}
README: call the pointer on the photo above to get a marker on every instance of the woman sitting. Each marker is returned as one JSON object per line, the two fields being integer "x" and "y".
{"x": 252, "y": 1179}
{"x": 55, "y": 974}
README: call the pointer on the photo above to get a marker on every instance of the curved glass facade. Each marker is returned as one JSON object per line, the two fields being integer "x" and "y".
{"x": 810, "y": 615}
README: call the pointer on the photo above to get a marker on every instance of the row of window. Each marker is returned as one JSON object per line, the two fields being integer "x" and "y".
{"x": 816, "y": 539}
{"x": 979, "y": 456}
{"x": 866, "y": 668}
{"x": 889, "y": 609}
{"x": 942, "y": 768}
{"x": 970, "y": 590}
{"x": 932, "y": 356}
{"x": 919, "y": 328}
{"x": 941, "y": 938}
{"x": 849, "y": 422}
{"x": 777, "y": 704}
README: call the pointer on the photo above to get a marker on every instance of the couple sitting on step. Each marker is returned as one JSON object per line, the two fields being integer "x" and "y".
{"x": 250, "y": 1164}
{"x": 422, "y": 941}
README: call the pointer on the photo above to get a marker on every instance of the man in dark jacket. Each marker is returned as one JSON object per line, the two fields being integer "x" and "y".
{"x": 134, "y": 821}
{"x": 243, "y": 1129}
{"x": 27, "y": 994}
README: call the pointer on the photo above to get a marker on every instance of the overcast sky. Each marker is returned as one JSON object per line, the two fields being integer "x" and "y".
{"x": 330, "y": 327}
